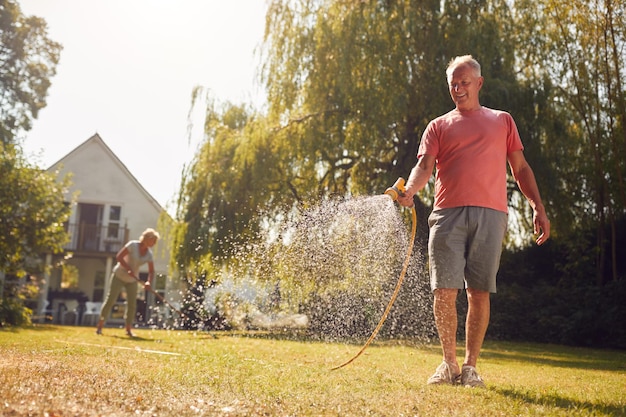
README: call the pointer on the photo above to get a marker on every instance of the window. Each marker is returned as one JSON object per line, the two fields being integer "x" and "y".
{"x": 113, "y": 230}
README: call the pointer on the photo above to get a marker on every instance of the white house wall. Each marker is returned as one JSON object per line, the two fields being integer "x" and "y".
{"x": 100, "y": 178}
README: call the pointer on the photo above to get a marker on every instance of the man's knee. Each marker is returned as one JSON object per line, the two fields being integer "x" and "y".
{"x": 477, "y": 296}
{"x": 445, "y": 294}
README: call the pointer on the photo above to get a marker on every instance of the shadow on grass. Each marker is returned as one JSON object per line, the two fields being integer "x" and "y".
{"x": 557, "y": 356}
{"x": 308, "y": 337}
{"x": 557, "y": 401}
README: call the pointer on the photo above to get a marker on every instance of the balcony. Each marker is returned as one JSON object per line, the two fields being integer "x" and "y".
{"x": 96, "y": 239}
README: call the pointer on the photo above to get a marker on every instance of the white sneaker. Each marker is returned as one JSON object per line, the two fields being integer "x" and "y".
{"x": 470, "y": 378}
{"x": 443, "y": 375}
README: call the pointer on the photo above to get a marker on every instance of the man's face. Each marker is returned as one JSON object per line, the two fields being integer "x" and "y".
{"x": 464, "y": 86}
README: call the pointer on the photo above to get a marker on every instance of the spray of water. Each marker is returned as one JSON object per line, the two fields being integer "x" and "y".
{"x": 331, "y": 270}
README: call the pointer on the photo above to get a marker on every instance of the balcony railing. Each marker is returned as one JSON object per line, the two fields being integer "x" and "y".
{"x": 96, "y": 238}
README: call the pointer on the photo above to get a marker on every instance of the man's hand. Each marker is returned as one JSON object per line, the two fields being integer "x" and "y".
{"x": 541, "y": 225}
{"x": 405, "y": 200}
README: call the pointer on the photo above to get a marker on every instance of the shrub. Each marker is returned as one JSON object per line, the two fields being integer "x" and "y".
{"x": 547, "y": 313}
{"x": 13, "y": 312}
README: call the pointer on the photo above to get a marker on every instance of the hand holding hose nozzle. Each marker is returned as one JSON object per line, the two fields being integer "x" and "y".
{"x": 397, "y": 190}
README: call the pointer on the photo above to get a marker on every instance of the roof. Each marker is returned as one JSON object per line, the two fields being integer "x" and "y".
{"x": 98, "y": 141}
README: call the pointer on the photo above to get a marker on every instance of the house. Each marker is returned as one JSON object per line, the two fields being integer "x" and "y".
{"x": 111, "y": 208}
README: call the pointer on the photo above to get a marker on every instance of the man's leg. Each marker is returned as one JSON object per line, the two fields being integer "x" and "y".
{"x": 446, "y": 254}
{"x": 482, "y": 262}
{"x": 476, "y": 324}
{"x": 444, "y": 307}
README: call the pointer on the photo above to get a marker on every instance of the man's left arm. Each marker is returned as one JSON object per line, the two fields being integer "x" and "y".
{"x": 525, "y": 178}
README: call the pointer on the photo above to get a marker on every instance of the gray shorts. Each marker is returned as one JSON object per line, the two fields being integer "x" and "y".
{"x": 464, "y": 247}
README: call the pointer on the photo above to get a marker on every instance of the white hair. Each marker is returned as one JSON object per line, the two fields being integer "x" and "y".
{"x": 463, "y": 60}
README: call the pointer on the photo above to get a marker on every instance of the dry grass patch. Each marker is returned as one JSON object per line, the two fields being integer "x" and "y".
{"x": 70, "y": 371}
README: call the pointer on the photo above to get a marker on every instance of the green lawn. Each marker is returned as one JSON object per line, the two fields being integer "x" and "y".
{"x": 70, "y": 371}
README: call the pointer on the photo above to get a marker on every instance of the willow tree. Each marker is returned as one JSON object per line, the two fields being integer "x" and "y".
{"x": 351, "y": 83}
{"x": 354, "y": 84}
{"x": 351, "y": 86}
{"x": 579, "y": 46}
{"x": 235, "y": 175}
{"x": 345, "y": 109}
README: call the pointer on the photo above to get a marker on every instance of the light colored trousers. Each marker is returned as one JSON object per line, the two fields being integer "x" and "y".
{"x": 131, "y": 300}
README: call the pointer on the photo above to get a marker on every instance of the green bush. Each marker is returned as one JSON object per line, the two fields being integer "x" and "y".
{"x": 589, "y": 316}
{"x": 13, "y": 312}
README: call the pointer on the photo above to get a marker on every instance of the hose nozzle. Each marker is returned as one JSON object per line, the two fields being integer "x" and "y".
{"x": 397, "y": 189}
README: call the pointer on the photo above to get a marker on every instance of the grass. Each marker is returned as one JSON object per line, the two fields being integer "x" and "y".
{"x": 70, "y": 371}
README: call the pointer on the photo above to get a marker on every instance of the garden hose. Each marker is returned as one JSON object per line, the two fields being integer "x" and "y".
{"x": 398, "y": 188}
{"x": 159, "y": 296}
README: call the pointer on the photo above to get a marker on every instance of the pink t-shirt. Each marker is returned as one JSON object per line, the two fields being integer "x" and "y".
{"x": 471, "y": 151}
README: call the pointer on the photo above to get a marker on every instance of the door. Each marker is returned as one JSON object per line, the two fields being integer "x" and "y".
{"x": 90, "y": 222}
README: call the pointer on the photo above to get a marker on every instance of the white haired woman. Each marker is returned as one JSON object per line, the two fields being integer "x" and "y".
{"x": 125, "y": 275}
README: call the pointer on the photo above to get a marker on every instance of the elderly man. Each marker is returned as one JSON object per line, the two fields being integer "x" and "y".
{"x": 470, "y": 147}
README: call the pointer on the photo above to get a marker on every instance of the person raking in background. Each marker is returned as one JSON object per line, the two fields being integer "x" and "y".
{"x": 125, "y": 275}
{"x": 470, "y": 147}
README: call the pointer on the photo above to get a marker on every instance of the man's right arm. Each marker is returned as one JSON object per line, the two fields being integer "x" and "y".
{"x": 420, "y": 174}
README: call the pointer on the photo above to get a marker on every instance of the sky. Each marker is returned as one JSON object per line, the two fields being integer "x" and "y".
{"x": 127, "y": 70}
